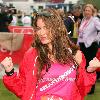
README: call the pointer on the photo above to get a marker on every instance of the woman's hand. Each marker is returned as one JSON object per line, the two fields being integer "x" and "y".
{"x": 7, "y": 63}
{"x": 78, "y": 57}
{"x": 93, "y": 65}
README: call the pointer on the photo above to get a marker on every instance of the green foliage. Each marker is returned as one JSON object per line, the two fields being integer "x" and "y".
{"x": 94, "y": 2}
{"x": 96, "y": 95}
{"x": 5, "y": 94}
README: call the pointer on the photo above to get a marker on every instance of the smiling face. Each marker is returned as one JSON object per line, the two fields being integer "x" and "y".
{"x": 43, "y": 32}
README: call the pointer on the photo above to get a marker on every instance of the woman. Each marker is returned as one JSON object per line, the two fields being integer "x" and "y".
{"x": 49, "y": 69}
{"x": 88, "y": 33}
{"x": 87, "y": 39}
{"x": 4, "y": 21}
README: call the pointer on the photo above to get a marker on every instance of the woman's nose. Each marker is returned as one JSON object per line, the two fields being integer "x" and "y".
{"x": 42, "y": 32}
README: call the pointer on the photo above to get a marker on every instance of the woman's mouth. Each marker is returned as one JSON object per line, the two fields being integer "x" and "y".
{"x": 42, "y": 38}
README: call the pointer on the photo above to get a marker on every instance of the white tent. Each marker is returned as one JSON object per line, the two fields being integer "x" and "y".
{"x": 1, "y": 1}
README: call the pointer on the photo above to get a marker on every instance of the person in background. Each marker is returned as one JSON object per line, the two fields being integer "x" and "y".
{"x": 10, "y": 15}
{"x": 69, "y": 23}
{"x": 68, "y": 20}
{"x": 78, "y": 16}
{"x": 77, "y": 13}
{"x": 26, "y": 20}
{"x": 14, "y": 21}
{"x": 14, "y": 17}
{"x": 4, "y": 20}
{"x": 49, "y": 68}
{"x": 33, "y": 15}
{"x": 19, "y": 18}
{"x": 87, "y": 39}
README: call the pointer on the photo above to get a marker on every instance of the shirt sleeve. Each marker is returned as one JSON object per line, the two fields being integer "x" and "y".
{"x": 97, "y": 23}
{"x": 17, "y": 83}
{"x": 84, "y": 80}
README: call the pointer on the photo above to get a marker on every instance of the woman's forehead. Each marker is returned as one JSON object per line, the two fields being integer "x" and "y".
{"x": 88, "y": 8}
{"x": 40, "y": 21}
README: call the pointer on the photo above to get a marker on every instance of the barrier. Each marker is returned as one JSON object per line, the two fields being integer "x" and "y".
{"x": 17, "y": 56}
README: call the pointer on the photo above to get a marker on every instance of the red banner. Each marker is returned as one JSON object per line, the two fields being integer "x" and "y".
{"x": 21, "y": 29}
{"x": 27, "y": 40}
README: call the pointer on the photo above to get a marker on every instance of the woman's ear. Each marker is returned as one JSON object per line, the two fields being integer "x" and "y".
{"x": 78, "y": 57}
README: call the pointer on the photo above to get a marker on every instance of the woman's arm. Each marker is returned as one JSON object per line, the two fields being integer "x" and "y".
{"x": 93, "y": 64}
{"x": 84, "y": 80}
{"x": 97, "y": 23}
{"x": 16, "y": 82}
{"x": 78, "y": 57}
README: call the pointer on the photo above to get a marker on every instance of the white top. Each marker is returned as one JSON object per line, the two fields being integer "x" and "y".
{"x": 88, "y": 31}
{"x": 26, "y": 21}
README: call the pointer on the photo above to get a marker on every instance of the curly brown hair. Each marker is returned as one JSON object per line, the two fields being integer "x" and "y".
{"x": 60, "y": 42}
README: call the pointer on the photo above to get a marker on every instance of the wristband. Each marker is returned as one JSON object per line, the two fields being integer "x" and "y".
{"x": 10, "y": 73}
{"x": 90, "y": 72}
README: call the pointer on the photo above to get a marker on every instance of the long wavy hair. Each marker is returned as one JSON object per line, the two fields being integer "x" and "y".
{"x": 60, "y": 40}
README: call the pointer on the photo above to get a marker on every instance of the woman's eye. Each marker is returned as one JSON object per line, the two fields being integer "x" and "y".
{"x": 44, "y": 27}
{"x": 38, "y": 28}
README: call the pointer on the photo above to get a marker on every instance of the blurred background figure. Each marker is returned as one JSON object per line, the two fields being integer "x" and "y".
{"x": 78, "y": 16}
{"x": 14, "y": 17}
{"x": 72, "y": 20}
{"x": 5, "y": 19}
{"x": 68, "y": 20}
{"x": 19, "y": 19}
{"x": 69, "y": 23}
{"x": 26, "y": 20}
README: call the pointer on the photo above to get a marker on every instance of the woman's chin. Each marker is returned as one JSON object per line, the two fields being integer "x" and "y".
{"x": 43, "y": 42}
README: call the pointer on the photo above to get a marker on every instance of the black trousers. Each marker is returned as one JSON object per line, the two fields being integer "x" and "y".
{"x": 89, "y": 53}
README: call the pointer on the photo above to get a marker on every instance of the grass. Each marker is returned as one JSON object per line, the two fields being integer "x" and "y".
{"x": 96, "y": 95}
{"x": 6, "y": 95}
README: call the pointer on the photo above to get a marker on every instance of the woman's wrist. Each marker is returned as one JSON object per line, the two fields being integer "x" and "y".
{"x": 91, "y": 69}
{"x": 90, "y": 72}
{"x": 10, "y": 73}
